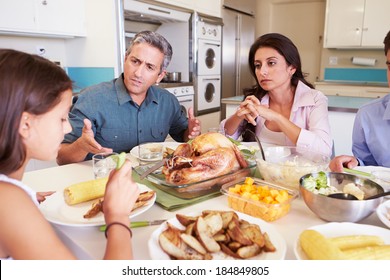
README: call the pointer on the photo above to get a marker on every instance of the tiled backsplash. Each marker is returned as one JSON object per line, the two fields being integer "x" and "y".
{"x": 87, "y": 76}
{"x": 355, "y": 74}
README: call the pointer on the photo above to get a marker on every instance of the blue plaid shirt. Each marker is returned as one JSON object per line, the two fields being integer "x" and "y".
{"x": 119, "y": 123}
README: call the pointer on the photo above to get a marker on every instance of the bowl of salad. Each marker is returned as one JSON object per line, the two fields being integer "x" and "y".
{"x": 285, "y": 165}
{"x": 315, "y": 188}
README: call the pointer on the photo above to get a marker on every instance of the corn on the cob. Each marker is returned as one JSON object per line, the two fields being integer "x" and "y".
{"x": 85, "y": 191}
{"x": 355, "y": 241}
{"x": 318, "y": 247}
{"x": 381, "y": 252}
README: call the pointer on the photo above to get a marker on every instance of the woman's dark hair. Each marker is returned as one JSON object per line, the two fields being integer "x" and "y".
{"x": 386, "y": 41}
{"x": 286, "y": 48}
{"x": 28, "y": 83}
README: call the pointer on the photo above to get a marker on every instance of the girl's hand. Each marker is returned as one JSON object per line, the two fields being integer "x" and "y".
{"x": 121, "y": 194}
{"x": 41, "y": 196}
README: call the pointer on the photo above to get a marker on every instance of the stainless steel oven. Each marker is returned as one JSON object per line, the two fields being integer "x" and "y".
{"x": 184, "y": 93}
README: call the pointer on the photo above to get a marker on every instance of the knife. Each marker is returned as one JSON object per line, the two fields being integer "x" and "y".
{"x": 154, "y": 168}
{"x": 139, "y": 224}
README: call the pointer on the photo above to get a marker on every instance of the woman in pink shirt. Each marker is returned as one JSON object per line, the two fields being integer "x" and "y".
{"x": 282, "y": 108}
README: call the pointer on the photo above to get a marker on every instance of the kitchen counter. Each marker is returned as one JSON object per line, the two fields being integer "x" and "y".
{"x": 87, "y": 242}
{"x": 353, "y": 83}
{"x": 335, "y": 103}
{"x": 346, "y": 103}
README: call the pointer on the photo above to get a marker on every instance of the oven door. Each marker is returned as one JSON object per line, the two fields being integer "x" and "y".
{"x": 186, "y": 102}
{"x": 209, "y": 53}
{"x": 209, "y": 94}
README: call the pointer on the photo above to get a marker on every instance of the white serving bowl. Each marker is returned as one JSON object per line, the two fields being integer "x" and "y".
{"x": 285, "y": 165}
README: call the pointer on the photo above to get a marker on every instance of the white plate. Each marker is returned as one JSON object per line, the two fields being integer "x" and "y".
{"x": 381, "y": 173}
{"x": 383, "y": 212}
{"x": 171, "y": 145}
{"x": 156, "y": 253}
{"x": 58, "y": 212}
{"x": 341, "y": 229}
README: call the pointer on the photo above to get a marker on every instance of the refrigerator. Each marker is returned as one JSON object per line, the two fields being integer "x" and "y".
{"x": 238, "y": 36}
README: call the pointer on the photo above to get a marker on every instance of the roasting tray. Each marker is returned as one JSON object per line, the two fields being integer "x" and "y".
{"x": 189, "y": 191}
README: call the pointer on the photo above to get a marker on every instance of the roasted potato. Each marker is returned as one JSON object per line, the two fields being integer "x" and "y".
{"x": 203, "y": 232}
{"x": 185, "y": 220}
{"x": 213, "y": 232}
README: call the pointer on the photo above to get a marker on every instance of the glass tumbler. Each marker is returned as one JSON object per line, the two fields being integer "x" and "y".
{"x": 103, "y": 164}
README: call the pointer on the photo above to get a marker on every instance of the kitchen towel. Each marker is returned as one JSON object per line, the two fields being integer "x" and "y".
{"x": 363, "y": 61}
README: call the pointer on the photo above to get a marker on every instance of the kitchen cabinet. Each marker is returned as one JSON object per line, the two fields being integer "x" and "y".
{"x": 352, "y": 90}
{"x": 212, "y": 8}
{"x": 356, "y": 23}
{"x": 231, "y": 104}
{"x": 231, "y": 109}
{"x": 49, "y": 18}
{"x": 187, "y": 4}
{"x": 341, "y": 126}
{"x": 210, "y": 120}
{"x": 207, "y": 7}
{"x": 14, "y": 18}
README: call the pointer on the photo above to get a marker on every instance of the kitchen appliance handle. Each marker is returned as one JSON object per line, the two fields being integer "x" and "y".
{"x": 211, "y": 79}
{"x": 215, "y": 21}
{"x": 238, "y": 55}
{"x": 159, "y": 11}
{"x": 185, "y": 100}
{"x": 211, "y": 44}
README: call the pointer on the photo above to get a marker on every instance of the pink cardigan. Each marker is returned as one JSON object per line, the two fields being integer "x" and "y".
{"x": 310, "y": 113}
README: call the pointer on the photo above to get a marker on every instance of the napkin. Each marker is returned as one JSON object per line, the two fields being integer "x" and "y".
{"x": 170, "y": 202}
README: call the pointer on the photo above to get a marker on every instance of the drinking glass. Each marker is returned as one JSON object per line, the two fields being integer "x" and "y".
{"x": 216, "y": 129}
{"x": 150, "y": 152}
{"x": 103, "y": 163}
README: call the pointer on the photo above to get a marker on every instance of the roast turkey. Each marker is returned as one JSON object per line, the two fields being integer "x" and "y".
{"x": 209, "y": 155}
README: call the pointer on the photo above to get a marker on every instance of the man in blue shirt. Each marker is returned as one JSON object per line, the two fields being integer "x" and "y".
{"x": 371, "y": 128}
{"x": 127, "y": 111}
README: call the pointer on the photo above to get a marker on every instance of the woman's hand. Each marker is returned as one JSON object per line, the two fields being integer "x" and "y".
{"x": 247, "y": 109}
{"x": 251, "y": 108}
{"x": 121, "y": 194}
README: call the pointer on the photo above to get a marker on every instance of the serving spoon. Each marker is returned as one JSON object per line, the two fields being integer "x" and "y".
{"x": 258, "y": 143}
{"x": 348, "y": 196}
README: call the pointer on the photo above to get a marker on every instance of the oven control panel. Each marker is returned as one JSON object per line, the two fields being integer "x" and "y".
{"x": 181, "y": 91}
{"x": 209, "y": 31}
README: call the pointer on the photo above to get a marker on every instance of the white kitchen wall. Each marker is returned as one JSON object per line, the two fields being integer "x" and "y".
{"x": 100, "y": 47}
{"x": 55, "y": 48}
